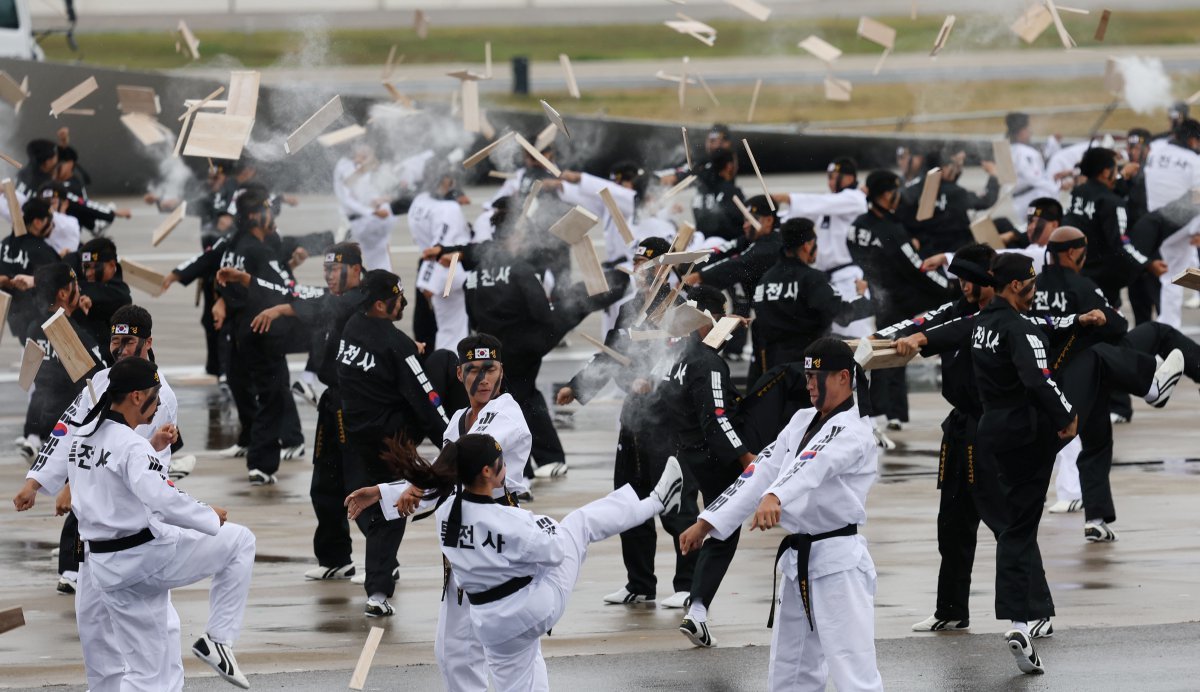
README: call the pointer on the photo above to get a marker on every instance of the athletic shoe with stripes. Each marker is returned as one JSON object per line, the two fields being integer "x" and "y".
{"x": 321, "y": 573}
{"x": 623, "y": 596}
{"x": 290, "y": 453}
{"x": 378, "y": 609}
{"x": 669, "y": 489}
{"x": 697, "y": 632}
{"x": 1022, "y": 650}
{"x": 554, "y": 469}
{"x": 935, "y": 624}
{"x": 1065, "y": 506}
{"x": 220, "y": 657}
{"x": 1098, "y": 533}
{"x": 1041, "y": 629}
{"x": 1166, "y": 377}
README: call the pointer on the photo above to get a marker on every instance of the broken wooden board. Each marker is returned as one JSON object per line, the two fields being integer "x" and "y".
{"x": 1102, "y": 27}
{"x": 683, "y": 237}
{"x": 682, "y": 320}
{"x": 5, "y": 304}
{"x": 164, "y": 229}
{"x": 721, "y": 333}
{"x": 929, "y": 194}
{"x": 753, "y": 8}
{"x": 837, "y": 89}
{"x": 142, "y": 277}
{"x": 31, "y": 362}
{"x": 189, "y": 40}
{"x": 454, "y": 257}
{"x": 341, "y": 136}
{"x": 820, "y": 48}
{"x": 71, "y": 352}
{"x": 569, "y": 75}
{"x": 621, "y": 359}
{"x": 193, "y": 106}
{"x": 554, "y": 117}
{"x": 470, "y": 106}
{"x": 421, "y": 27}
{"x": 1063, "y": 36}
{"x": 758, "y": 173}
{"x": 537, "y": 156}
{"x": 243, "y": 93}
{"x": 984, "y": 231}
{"x": 218, "y": 136}
{"x": 618, "y": 218}
{"x": 14, "y": 207}
{"x": 145, "y": 128}
{"x": 138, "y": 99}
{"x": 1188, "y": 278}
{"x": 10, "y": 160}
{"x": 1032, "y": 23}
{"x": 943, "y": 35}
{"x": 737, "y": 202}
{"x": 1006, "y": 174}
{"x": 647, "y": 334}
{"x": 11, "y": 618}
{"x": 573, "y": 227}
{"x": 486, "y": 151}
{"x": 11, "y": 91}
{"x": 754, "y": 100}
{"x": 588, "y": 264}
{"x": 358, "y": 679}
{"x": 76, "y": 94}
{"x": 670, "y": 259}
{"x": 546, "y": 137}
{"x": 877, "y": 32}
{"x": 883, "y": 358}
{"x": 324, "y": 117}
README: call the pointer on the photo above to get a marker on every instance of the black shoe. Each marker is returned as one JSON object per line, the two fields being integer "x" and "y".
{"x": 220, "y": 657}
{"x": 1022, "y": 650}
{"x": 697, "y": 632}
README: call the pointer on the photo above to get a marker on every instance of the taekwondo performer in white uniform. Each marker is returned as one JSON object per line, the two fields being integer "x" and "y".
{"x": 813, "y": 480}
{"x": 144, "y": 537}
{"x": 103, "y": 662}
{"x": 518, "y": 569}
{"x": 358, "y": 184}
{"x": 1172, "y": 170}
{"x": 436, "y": 218}
{"x": 1032, "y": 181}
{"x": 833, "y": 214}
{"x": 459, "y": 654}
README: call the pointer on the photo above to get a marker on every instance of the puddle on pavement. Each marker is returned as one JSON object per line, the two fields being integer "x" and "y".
{"x": 21, "y": 551}
{"x": 280, "y": 558}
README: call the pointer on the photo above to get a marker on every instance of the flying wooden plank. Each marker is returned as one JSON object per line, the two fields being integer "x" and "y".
{"x": 721, "y": 333}
{"x": 5, "y": 304}
{"x": 569, "y": 75}
{"x": 943, "y": 35}
{"x": 1102, "y": 27}
{"x": 31, "y": 362}
{"x": 189, "y": 40}
{"x": 142, "y": 277}
{"x": 671, "y": 259}
{"x": 704, "y": 85}
{"x": 144, "y": 127}
{"x": 754, "y": 100}
{"x": 315, "y": 125}
{"x": 737, "y": 202}
{"x": 421, "y": 26}
{"x": 753, "y": 8}
{"x": 622, "y": 359}
{"x": 1189, "y": 278}
{"x": 218, "y": 136}
{"x": 486, "y": 151}
{"x": 359, "y": 678}
{"x": 682, "y": 320}
{"x": 243, "y": 93}
{"x": 588, "y": 264}
{"x": 76, "y": 94}
{"x": 837, "y": 89}
{"x": 618, "y": 218}
{"x": 1032, "y": 23}
{"x": 10, "y": 160}
{"x": 454, "y": 257}
{"x": 984, "y": 231}
{"x": 470, "y": 106}
{"x": 687, "y": 148}
{"x": 647, "y": 334}
{"x": 341, "y": 136}
{"x": 164, "y": 229}
{"x": 1063, "y": 36}
{"x": 820, "y": 48}
{"x": 877, "y": 32}
{"x": 193, "y": 106}
{"x": 537, "y": 156}
{"x": 754, "y": 164}
{"x": 390, "y": 66}
{"x": 929, "y": 194}
{"x": 138, "y": 99}
{"x": 683, "y": 237}
{"x": 554, "y": 117}
{"x": 14, "y": 207}
{"x": 11, "y": 91}
{"x": 1002, "y": 157}
{"x": 573, "y": 227}
{"x": 11, "y": 619}
{"x": 546, "y": 137}
{"x": 71, "y": 352}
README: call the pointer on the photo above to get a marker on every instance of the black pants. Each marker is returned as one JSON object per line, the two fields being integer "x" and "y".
{"x": 1087, "y": 380}
{"x": 332, "y": 544}
{"x": 259, "y": 380}
{"x": 520, "y": 376}
{"x": 383, "y": 536}
{"x": 712, "y": 477}
{"x": 1143, "y": 297}
{"x": 1025, "y": 462}
{"x": 46, "y": 406}
{"x": 970, "y": 491}
{"x": 212, "y": 347}
{"x": 889, "y": 393}
{"x": 1158, "y": 339}
{"x": 237, "y": 377}
{"x": 424, "y": 321}
{"x": 639, "y": 463}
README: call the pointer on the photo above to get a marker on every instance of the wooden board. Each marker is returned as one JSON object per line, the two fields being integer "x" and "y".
{"x": 5, "y": 304}
{"x": 687, "y": 148}
{"x": 138, "y": 99}
{"x": 537, "y": 156}
{"x": 647, "y": 334}
{"x": 470, "y": 105}
{"x": 454, "y": 257}
{"x": 11, "y": 91}
{"x": 837, "y": 89}
{"x": 164, "y": 229}
{"x": 943, "y": 35}
{"x": 218, "y": 136}
{"x": 421, "y": 26}
{"x": 10, "y": 160}
{"x": 11, "y": 618}
{"x": 1189, "y": 278}
{"x": 31, "y": 362}
{"x": 1114, "y": 77}
{"x": 142, "y": 277}
{"x": 1102, "y": 27}
{"x": 758, "y": 173}
{"x": 671, "y": 259}
{"x": 929, "y": 194}
{"x": 753, "y": 8}
{"x": 737, "y": 202}
{"x": 145, "y": 128}
{"x": 359, "y": 678}
{"x": 588, "y": 264}
{"x": 1006, "y": 174}
{"x": 753, "y": 100}
{"x": 487, "y": 59}
{"x": 546, "y": 137}
{"x": 820, "y": 48}
{"x": 556, "y": 119}
{"x": 486, "y": 151}
{"x": 721, "y": 332}
{"x": 193, "y": 106}
{"x": 877, "y": 32}
{"x": 682, "y": 320}
{"x": 76, "y": 94}
{"x": 71, "y": 352}
{"x": 886, "y": 358}
{"x": 341, "y": 136}
{"x": 618, "y": 218}
{"x": 243, "y": 93}
{"x": 315, "y": 125}
{"x": 621, "y": 358}
{"x": 573, "y": 227}
{"x": 14, "y": 207}
{"x": 984, "y": 231}
{"x": 1063, "y": 36}
{"x": 569, "y": 75}
{"x": 189, "y": 40}
{"x": 683, "y": 238}
{"x": 1030, "y": 25}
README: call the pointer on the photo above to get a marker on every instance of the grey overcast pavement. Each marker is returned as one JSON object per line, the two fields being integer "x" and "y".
{"x": 1127, "y": 611}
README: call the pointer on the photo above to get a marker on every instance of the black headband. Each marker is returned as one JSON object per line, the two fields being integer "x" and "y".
{"x": 1064, "y": 245}
{"x": 966, "y": 269}
{"x": 478, "y": 353}
{"x": 830, "y": 363}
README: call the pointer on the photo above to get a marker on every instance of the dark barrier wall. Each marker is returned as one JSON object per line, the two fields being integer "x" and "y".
{"x": 119, "y": 164}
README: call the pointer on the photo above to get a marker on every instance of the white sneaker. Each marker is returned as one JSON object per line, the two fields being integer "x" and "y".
{"x": 66, "y": 586}
{"x": 234, "y": 451}
{"x": 1098, "y": 533}
{"x": 669, "y": 489}
{"x": 362, "y": 577}
{"x": 378, "y": 609}
{"x": 697, "y": 632}
{"x": 895, "y": 424}
{"x": 259, "y": 478}
{"x": 679, "y": 599}
{"x": 322, "y": 573}
{"x": 220, "y": 657}
{"x": 305, "y": 392}
{"x": 1117, "y": 419}
{"x": 1166, "y": 377}
{"x": 935, "y": 624}
{"x": 181, "y": 467}
{"x": 28, "y": 447}
{"x": 1041, "y": 629}
{"x": 1193, "y": 301}
{"x": 551, "y": 470}
{"x": 1022, "y": 650}
{"x": 289, "y": 453}
{"x": 623, "y": 597}
{"x": 1065, "y": 506}
{"x": 882, "y": 440}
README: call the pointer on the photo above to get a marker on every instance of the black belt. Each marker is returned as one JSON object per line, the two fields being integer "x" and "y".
{"x": 116, "y": 545}
{"x": 802, "y": 544}
{"x": 495, "y": 593}
{"x": 509, "y": 499}
{"x": 354, "y": 217}
{"x": 833, "y": 270}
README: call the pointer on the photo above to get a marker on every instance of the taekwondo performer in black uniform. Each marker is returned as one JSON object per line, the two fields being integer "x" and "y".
{"x": 385, "y": 395}
{"x": 102, "y": 288}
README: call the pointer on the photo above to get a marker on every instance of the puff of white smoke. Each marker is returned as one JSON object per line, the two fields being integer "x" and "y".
{"x": 1147, "y": 86}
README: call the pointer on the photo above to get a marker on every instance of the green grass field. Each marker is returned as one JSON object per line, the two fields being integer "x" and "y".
{"x": 616, "y": 42}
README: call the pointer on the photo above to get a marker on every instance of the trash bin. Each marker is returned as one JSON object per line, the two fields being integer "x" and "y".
{"x": 520, "y": 79}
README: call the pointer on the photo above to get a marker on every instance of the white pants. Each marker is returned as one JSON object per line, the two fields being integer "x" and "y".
{"x": 140, "y": 612}
{"x": 451, "y": 315}
{"x": 102, "y": 660}
{"x": 1066, "y": 483}
{"x": 842, "y": 282}
{"x": 1178, "y": 253}
{"x": 372, "y": 235}
{"x": 460, "y": 656}
{"x": 842, "y": 641}
{"x": 515, "y": 661}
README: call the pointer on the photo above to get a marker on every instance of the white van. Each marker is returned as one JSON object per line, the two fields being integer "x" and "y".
{"x": 16, "y": 32}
